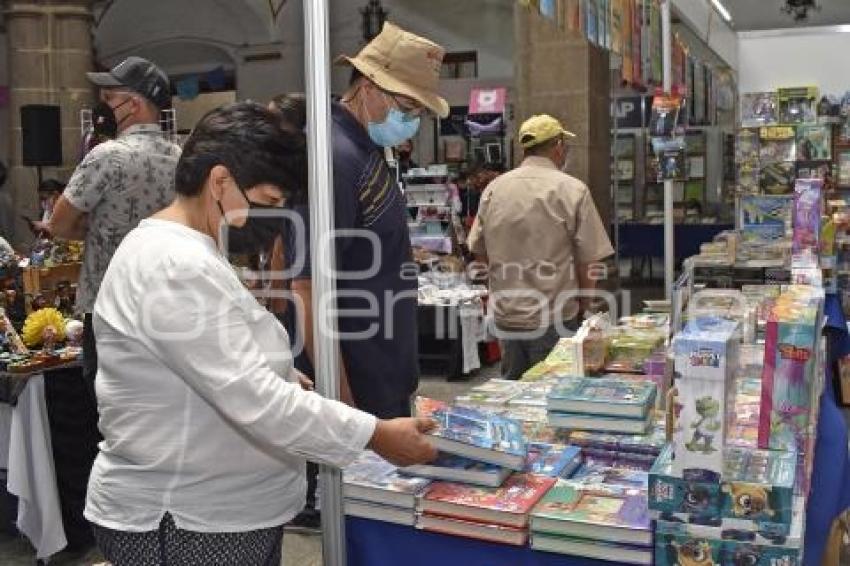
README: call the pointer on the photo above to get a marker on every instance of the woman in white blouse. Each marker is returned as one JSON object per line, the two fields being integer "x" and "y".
{"x": 205, "y": 425}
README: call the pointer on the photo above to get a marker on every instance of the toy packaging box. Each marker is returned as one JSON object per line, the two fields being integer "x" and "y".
{"x": 806, "y": 221}
{"x": 755, "y": 495}
{"x": 759, "y": 108}
{"x": 706, "y": 358}
{"x": 678, "y": 544}
{"x": 789, "y": 372}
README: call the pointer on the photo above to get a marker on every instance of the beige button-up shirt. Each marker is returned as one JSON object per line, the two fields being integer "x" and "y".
{"x": 536, "y": 225}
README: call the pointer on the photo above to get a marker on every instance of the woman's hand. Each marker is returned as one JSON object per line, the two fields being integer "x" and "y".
{"x": 305, "y": 382}
{"x": 403, "y": 442}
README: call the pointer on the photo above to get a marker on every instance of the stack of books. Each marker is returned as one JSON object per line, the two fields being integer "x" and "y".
{"x": 499, "y": 514}
{"x": 373, "y": 489}
{"x": 602, "y": 405}
{"x": 602, "y": 515}
{"x": 636, "y": 451}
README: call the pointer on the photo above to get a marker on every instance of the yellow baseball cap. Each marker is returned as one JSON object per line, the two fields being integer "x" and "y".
{"x": 541, "y": 128}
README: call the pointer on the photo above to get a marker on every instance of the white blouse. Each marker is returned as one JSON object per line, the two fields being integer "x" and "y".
{"x": 196, "y": 417}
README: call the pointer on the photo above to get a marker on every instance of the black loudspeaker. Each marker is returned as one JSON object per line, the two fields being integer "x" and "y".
{"x": 41, "y": 135}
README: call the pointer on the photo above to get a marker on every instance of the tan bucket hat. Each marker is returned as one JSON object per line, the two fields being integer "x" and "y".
{"x": 403, "y": 63}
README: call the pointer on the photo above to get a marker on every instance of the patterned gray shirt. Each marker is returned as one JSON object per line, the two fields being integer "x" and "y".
{"x": 118, "y": 184}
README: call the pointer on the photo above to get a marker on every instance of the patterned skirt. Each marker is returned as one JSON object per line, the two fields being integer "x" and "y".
{"x": 170, "y": 546}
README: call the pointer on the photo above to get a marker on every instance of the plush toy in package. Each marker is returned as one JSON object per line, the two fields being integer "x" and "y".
{"x": 806, "y": 221}
{"x": 790, "y": 364}
{"x": 706, "y": 357}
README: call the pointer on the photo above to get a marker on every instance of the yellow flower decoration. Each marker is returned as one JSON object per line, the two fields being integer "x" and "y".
{"x": 37, "y": 322}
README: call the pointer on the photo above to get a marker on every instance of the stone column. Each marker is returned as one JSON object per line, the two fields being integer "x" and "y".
{"x": 50, "y": 50}
{"x": 560, "y": 73}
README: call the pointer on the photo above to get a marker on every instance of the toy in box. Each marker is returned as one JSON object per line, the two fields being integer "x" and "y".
{"x": 759, "y": 108}
{"x": 675, "y": 547}
{"x": 790, "y": 365}
{"x": 706, "y": 358}
{"x": 798, "y": 105}
{"x": 674, "y": 496}
{"x": 806, "y": 221}
{"x": 758, "y": 485}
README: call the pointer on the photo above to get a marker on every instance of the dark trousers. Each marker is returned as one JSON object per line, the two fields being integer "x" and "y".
{"x": 521, "y": 354}
{"x": 89, "y": 358}
{"x": 72, "y": 414}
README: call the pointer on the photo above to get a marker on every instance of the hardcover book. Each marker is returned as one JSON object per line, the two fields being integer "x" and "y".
{"x": 616, "y": 553}
{"x": 599, "y": 423}
{"x": 508, "y": 505}
{"x": 471, "y": 529}
{"x": 371, "y": 478}
{"x": 384, "y": 513}
{"x": 552, "y": 460}
{"x": 590, "y": 474}
{"x": 479, "y": 435}
{"x": 493, "y": 393}
{"x": 603, "y": 512}
{"x": 451, "y": 468}
{"x": 603, "y": 396}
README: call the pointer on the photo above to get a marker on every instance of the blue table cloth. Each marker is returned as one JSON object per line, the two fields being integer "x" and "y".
{"x": 830, "y": 493}
{"x": 372, "y": 543}
{"x": 647, "y": 240}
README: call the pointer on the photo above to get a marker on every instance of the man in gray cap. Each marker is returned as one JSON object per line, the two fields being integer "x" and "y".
{"x": 119, "y": 182}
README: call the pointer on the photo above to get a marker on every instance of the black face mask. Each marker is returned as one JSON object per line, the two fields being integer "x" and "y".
{"x": 257, "y": 234}
{"x": 104, "y": 121}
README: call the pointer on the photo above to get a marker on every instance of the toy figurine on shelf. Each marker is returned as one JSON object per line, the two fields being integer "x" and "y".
{"x": 63, "y": 300}
{"x": 44, "y": 327}
{"x": 74, "y": 333}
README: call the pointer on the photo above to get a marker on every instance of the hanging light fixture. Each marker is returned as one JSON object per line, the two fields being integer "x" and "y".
{"x": 374, "y": 17}
{"x": 799, "y": 9}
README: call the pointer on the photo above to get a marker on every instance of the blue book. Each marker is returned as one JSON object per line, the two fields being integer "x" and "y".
{"x": 552, "y": 460}
{"x": 603, "y": 396}
{"x": 457, "y": 469}
{"x": 480, "y": 436}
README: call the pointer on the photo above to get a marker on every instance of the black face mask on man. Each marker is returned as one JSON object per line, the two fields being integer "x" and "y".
{"x": 259, "y": 231}
{"x": 104, "y": 121}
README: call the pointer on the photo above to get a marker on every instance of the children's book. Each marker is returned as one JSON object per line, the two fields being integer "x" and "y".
{"x": 451, "y": 468}
{"x": 552, "y": 460}
{"x": 614, "y": 553}
{"x": 508, "y": 505}
{"x": 371, "y": 478}
{"x": 603, "y": 396}
{"x": 596, "y": 511}
{"x": 600, "y": 423}
{"x": 471, "y": 529}
{"x": 475, "y": 434}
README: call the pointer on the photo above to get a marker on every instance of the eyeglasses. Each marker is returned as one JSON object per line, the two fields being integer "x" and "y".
{"x": 408, "y": 105}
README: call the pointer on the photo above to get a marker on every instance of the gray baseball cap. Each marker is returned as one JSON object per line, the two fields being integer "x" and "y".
{"x": 139, "y": 75}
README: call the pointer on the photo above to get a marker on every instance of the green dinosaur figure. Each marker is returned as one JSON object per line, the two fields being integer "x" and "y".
{"x": 706, "y": 427}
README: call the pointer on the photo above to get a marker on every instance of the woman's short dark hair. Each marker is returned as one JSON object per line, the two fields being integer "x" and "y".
{"x": 251, "y": 142}
{"x": 293, "y": 110}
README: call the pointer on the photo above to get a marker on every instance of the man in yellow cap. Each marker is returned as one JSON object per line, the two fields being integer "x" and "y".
{"x": 394, "y": 85}
{"x": 540, "y": 234}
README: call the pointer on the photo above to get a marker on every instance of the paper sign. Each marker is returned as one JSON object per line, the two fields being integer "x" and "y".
{"x": 487, "y": 101}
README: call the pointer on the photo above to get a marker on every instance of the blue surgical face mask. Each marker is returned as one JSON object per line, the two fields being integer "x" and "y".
{"x": 396, "y": 128}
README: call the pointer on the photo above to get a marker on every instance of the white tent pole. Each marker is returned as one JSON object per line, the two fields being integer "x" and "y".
{"x": 317, "y": 78}
{"x": 669, "y": 228}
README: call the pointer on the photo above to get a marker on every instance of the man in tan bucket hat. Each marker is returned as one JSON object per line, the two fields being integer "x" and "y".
{"x": 394, "y": 85}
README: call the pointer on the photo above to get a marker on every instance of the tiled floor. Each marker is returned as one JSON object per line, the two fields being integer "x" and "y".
{"x": 298, "y": 550}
